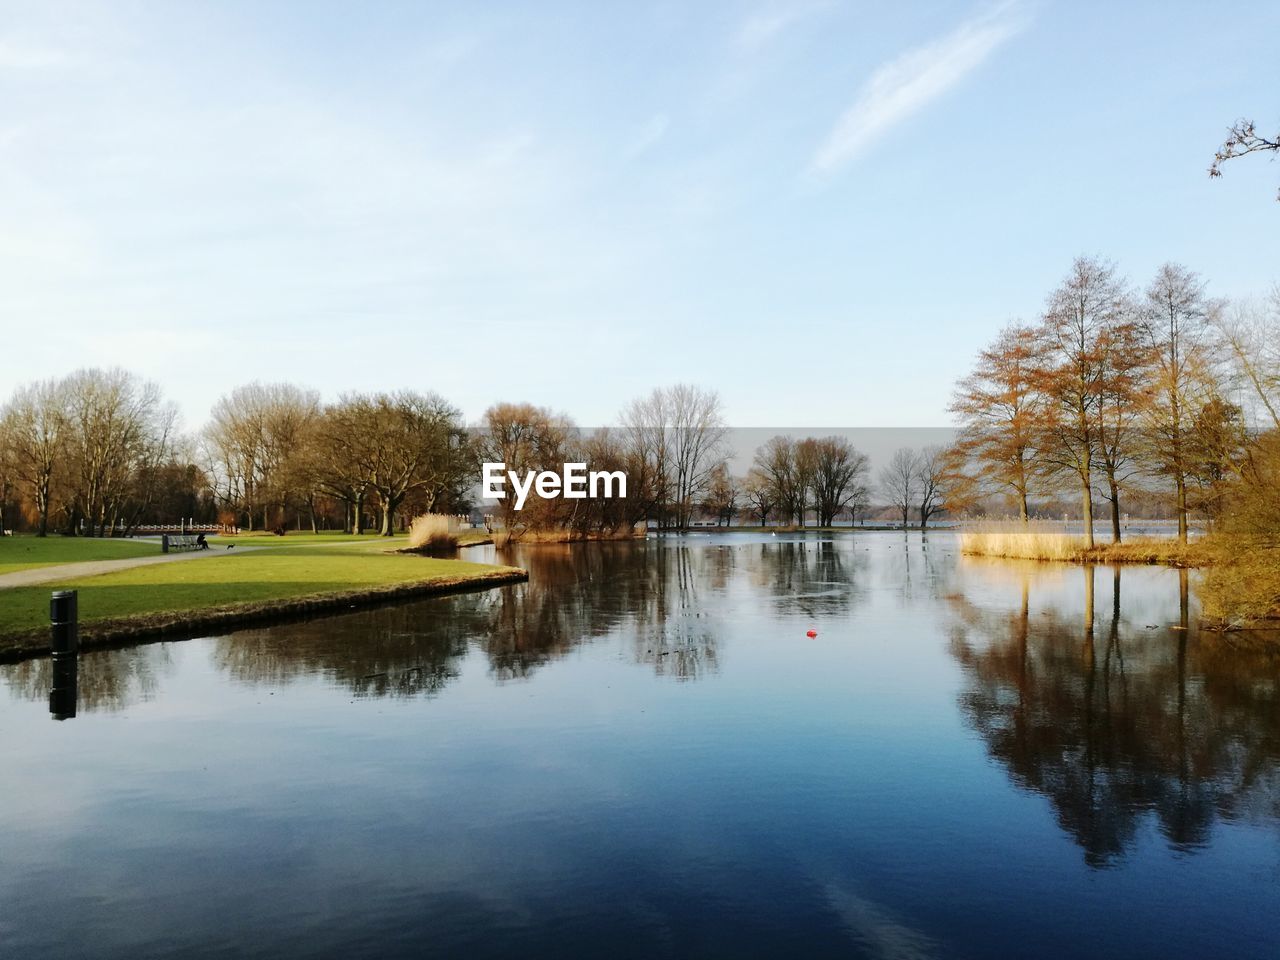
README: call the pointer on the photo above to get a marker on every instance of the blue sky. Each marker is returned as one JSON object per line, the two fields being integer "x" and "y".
{"x": 820, "y": 209}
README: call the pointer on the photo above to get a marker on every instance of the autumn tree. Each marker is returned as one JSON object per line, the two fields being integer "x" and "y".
{"x": 998, "y": 407}
{"x": 1072, "y": 371}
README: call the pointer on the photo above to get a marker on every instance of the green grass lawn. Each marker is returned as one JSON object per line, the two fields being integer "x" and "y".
{"x": 465, "y": 536}
{"x": 24, "y": 553}
{"x": 275, "y": 572}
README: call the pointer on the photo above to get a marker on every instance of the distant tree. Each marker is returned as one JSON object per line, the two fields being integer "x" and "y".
{"x": 899, "y": 481}
{"x": 341, "y": 458}
{"x": 721, "y": 499}
{"x": 256, "y": 439}
{"x": 759, "y": 493}
{"x": 676, "y": 435}
{"x": 1242, "y": 138}
{"x": 116, "y": 423}
{"x": 930, "y": 471}
{"x": 525, "y": 438}
{"x": 776, "y": 467}
{"x": 414, "y": 443}
{"x": 837, "y": 481}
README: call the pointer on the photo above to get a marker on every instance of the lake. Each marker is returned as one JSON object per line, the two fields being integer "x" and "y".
{"x": 641, "y": 753}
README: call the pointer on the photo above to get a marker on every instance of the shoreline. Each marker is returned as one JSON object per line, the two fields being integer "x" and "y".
{"x": 179, "y": 625}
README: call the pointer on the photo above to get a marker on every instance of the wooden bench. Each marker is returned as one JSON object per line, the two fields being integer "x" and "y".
{"x": 170, "y": 542}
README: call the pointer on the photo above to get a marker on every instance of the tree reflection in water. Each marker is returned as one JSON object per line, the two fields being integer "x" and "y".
{"x": 107, "y": 680}
{"x": 1116, "y": 721}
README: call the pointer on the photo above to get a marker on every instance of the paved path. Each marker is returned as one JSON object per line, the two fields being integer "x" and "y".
{"x": 92, "y": 568}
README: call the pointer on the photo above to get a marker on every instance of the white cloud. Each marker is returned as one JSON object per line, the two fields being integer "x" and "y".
{"x": 905, "y": 85}
{"x": 759, "y": 29}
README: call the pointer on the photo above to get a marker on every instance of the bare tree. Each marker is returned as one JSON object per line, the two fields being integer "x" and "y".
{"x": 1176, "y": 323}
{"x": 721, "y": 499}
{"x": 1251, "y": 332}
{"x": 838, "y": 477}
{"x": 899, "y": 481}
{"x": 256, "y": 437}
{"x": 34, "y": 424}
{"x": 525, "y": 438}
{"x": 1242, "y": 138}
{"x": 677, "y": 434}
{"x": 115, "y": 422}
{"x": 699, "y": 444}
{"x": 780, "y": 477}
{"x": 1080, "y": 312}
{"x": 1124, "y": 373}
{"x": 759, "y": 493}
{"x": 930, "y": 474}
{"x": 412, "y": 443}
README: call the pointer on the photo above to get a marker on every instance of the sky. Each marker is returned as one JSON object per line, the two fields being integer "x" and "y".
{"x": 820, "y": 209}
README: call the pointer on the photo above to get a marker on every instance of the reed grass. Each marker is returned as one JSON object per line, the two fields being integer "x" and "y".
{"x": 1021, "y": 541}
{"x": 432, "y": 531}
{"x": 1044, "y": 541}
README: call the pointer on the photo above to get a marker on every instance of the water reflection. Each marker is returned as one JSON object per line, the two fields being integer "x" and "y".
{"x": 1116, "y": 721}
{"x": 667, "y": 598}
{"x": 102, "y": 680}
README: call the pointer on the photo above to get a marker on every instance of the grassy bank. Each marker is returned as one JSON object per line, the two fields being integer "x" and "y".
{"x": 223, "y": 590}
{"x": 26, "y": 553}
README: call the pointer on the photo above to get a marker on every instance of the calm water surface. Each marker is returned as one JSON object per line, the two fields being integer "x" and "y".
{"x": 640, "y": 753}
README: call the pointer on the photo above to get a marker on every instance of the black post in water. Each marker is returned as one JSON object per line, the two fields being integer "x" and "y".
{"x": 64, "y": 618}
{"x": 62, "y": 696}
{"x": 64, "y": 641}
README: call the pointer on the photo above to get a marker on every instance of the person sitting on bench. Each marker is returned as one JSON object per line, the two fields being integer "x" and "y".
{"x": 201, "y": 542}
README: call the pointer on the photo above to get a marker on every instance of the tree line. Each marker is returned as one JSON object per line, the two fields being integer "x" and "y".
{"x": 98, "y": 453}
{"x": 1116, "y": 390}
{"x": 1113, "y": 392}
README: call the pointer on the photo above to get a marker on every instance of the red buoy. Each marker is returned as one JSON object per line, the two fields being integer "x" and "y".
{"x": 812, "y": 633}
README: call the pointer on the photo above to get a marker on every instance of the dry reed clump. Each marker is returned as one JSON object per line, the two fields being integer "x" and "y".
{"x": 1153, "y": 550}
{"x": 432, "y": 531}
{"x": 1244, "y": 589}
{"x": 1021, "y": 541}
